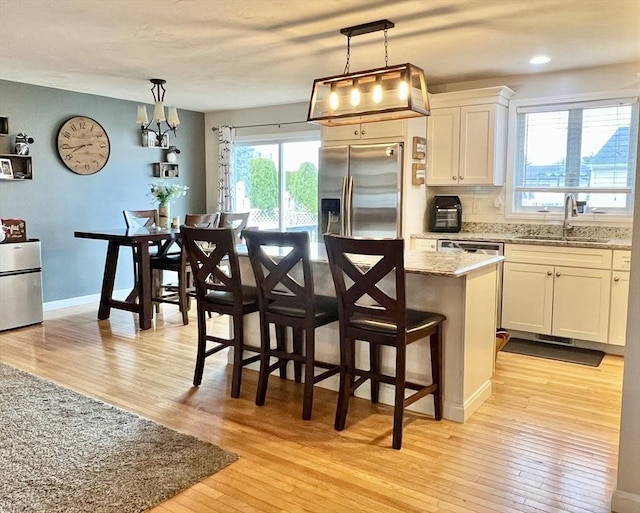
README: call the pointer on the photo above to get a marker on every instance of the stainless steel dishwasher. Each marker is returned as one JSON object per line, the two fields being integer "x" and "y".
{"x": 20, "y": 284}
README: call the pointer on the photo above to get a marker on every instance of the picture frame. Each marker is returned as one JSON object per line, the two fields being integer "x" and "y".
{"x": 419, "y": 148}
{"x": 417, "y": 174}
{"x": 6, "y": 169}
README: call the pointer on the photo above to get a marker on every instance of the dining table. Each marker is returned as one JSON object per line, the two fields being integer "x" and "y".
{"x": 141, "y": 239}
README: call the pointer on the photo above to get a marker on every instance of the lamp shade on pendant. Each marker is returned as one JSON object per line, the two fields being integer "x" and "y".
{"x": 392, "y": 92}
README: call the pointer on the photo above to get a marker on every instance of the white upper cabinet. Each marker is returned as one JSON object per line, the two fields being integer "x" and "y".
{"x": 467, "y": 137}
{"x": 384, "y": 130}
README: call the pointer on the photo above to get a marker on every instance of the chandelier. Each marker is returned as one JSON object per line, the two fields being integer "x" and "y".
{"x": 160, "y": 135}
{"x": 391, "y": 92}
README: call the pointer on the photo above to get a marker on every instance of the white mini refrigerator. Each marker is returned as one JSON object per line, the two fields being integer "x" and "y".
{"x": 20, "y": 284}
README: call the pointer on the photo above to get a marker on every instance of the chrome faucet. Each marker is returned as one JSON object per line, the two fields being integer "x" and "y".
{"x": 569, "y": 205}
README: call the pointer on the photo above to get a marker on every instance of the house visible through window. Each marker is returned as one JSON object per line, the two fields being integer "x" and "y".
{"x": 588, "y": 149}
{"x": 277, "y": 181}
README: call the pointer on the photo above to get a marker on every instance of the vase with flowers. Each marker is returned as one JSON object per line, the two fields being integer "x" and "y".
{"x": 163, "y": 193}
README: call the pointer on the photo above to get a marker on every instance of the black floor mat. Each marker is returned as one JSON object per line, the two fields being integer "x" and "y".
{"x": 554, "y": 352}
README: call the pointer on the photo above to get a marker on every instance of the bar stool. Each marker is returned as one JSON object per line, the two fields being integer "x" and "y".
{"x": 219, "y": 290}
{"x": 236, "y": 220}
{"x": 358, "y": 266}
{"x": 286, "y": 298}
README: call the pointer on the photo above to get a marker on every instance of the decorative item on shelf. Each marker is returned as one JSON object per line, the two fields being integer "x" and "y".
{"x": 159, "y": 137}
{"x": 22, "y": 144}
{"x": 172, "y": 154}
{"x": 6, "y": 169}
{"x": 4, "y": 125}
{"x": 163, "y": 193}
{"x": 391, "y": 92}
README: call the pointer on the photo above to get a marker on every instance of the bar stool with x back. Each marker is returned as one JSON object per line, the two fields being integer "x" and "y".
{"x": 381, "y": 318}
{"x": 286, "y": 297}
{"x": 214, "y": 264}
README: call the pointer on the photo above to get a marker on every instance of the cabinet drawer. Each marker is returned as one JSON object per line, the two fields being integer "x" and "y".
{"x": 565, "y": 256}
{"x": 621, "y": 260}
{"x": 424, "y": 244}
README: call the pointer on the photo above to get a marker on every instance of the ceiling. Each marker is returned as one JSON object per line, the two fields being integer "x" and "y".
{"x": 230, "y": 54}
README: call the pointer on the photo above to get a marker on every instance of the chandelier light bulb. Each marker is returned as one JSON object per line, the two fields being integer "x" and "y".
{"x": 377, "y": 94}
{"x": 334, "y": 102}
{"x": 355, "y": 96}
{"x": 403, "y": 90}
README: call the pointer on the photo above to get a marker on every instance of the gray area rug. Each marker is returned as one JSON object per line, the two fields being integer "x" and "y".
{"x": 62, "y": 452}
{"x": 569, "y": 354}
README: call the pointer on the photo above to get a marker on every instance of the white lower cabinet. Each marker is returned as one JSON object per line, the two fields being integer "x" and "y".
{"x": 581, "y": 303}
{"x": 563, "y": 301}
{"x": 619, "y": 306}
{"x": 527, "y": 297}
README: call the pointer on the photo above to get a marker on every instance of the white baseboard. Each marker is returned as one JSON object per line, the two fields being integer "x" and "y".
{"x": 624, "y": 502}
{"x": 78, "y": 301}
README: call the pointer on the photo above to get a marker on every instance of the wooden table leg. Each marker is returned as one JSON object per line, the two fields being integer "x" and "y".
{"x": 108, "y": 280}
{"x": 144, "y": 286}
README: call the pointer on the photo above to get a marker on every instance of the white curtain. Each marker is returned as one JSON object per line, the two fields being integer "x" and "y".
{"x": 225, "y": 188}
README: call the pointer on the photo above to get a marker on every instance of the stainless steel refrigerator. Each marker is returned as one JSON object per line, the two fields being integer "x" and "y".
{"x": 359, "y": 190}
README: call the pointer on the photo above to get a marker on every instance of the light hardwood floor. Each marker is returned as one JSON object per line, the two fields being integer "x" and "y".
{"x": 546, "y": 441}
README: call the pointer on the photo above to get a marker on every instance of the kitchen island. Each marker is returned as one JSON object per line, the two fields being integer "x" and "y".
{"x": 461, "y": 286}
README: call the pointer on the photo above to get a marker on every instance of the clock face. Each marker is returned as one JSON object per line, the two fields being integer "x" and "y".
{"x": 83, "y": 145}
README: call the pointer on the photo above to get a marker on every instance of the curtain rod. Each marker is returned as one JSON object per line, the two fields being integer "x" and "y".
{"x": 216, "y": 128}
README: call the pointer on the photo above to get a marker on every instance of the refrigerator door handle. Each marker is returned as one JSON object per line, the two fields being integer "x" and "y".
{"x": 344, "y": 206}
{"x": 349, "y": 207}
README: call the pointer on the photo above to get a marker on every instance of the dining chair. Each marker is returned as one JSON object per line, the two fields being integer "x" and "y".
{"x": 286, "y": 299}
{"x": 202, "y": 220}
{"x": 377, "y": 313}
{"x": 139, "y": 219}
{"x": 236, "y": 220}
{"x": 219, "y": 289}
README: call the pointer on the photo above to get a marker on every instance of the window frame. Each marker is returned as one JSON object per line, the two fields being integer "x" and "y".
{"x": 552, "y": 103}
{"x": 280, "y": 139}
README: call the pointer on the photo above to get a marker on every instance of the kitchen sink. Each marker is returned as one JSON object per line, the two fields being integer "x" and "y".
{"x": 562, "y": 239}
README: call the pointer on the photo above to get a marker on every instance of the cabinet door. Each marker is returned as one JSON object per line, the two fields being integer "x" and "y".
{"x": 477, "y": 142}
{"x": 527, "y": 297}
{"x": 619, "y": 307}
{"x": 443, "y": 146}
{"x": 581, "y": 303}
{"x": 379, "y": 130}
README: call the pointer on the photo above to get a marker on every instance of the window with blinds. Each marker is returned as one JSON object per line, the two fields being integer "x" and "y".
{"x": 588, "y": 149}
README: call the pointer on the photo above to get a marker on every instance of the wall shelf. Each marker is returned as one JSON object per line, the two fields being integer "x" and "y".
{"x": 165, "y": 170}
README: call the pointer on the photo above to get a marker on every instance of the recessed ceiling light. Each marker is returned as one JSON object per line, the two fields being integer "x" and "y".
{"x": 539, "y": 59}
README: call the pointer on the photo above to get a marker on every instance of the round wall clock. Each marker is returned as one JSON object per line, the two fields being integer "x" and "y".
{"x": 83, "y": 145}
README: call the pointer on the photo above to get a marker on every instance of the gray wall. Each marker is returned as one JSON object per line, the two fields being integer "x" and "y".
{"x": 57, "y": 201}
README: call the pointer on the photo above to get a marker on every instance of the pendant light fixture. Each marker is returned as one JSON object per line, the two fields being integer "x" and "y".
{"x": 391, "y": 92}
{"x": 158, "y": 137}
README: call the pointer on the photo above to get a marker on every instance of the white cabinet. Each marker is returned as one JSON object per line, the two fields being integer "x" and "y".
{"x": 619, "y": 297}
{"x": 384, "y": 130}
{"x": 527, "y": 297}
{"x": 560, "y": 300}
{"x": 619, "y": 306}
{"x": 467, "y": 137}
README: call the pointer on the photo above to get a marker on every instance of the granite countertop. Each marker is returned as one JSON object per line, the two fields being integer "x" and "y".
{"x": 417, "y": 262}
{"x": 604, "y": 243}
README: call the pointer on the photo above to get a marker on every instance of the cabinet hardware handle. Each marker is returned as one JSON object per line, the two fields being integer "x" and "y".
{"x": 557, "y": 274}
{"x": 461, "y": 177}
{"x": 454, "y": 178}
{"x": 355, "y": 132}
{"x": 362, "y": 132}
{"x": 549, "y": 273}
{"x": 616, "y": 278}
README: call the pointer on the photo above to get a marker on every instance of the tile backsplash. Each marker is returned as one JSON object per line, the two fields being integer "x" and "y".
{"x": 483, "y": 211}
